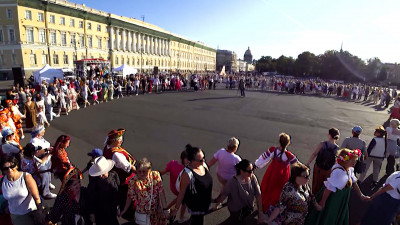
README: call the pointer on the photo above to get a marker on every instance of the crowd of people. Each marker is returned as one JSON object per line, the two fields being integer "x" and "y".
{"x": 121, "y": 186}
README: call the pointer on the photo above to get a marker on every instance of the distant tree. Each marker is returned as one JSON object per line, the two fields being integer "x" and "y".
{"x": 266, "y": 64}
{"x": 304, "y": 63}
{"x": 285, "y": 65}
{"x": 373, "y": 68}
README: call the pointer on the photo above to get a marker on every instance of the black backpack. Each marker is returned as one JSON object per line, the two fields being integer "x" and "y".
{"x": 326, "y": 157}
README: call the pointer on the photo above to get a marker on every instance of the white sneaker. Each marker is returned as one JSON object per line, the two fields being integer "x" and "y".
{"x": 52, "y": 186}
{"x": 23, "y": 136}
{"x": 50, "y": 196}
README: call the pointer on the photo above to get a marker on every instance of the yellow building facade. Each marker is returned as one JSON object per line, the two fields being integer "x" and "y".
{"x": 34, "y": 33}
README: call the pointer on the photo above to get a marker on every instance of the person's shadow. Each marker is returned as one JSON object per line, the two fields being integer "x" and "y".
{"x": 357, "y": 207}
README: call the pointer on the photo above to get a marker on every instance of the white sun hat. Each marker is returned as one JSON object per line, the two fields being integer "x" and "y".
{"x": 101, "y": 166}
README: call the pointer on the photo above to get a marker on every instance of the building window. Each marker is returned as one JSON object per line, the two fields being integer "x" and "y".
{"x": 98, "y": 27}
{"x": 64, "y": 39}
{"x": 62, "y": 21}
{"x": 55, "y": 59}
{"x": 42, "y": 36}
{"x": 44, "y": 59}
{"x": 14, "y": 59}
{"x": 90, "y": 42}
{"x": 32, "y": 59}
{"x": 80, "y": 24}
{"x": 1, "y": 36}
{"x": 99, "y": 45}
{"x": 40, "y": 17}
{"x": 29, "y": 35}
{"x": 9, "y": 14}
{"x": 89, "y": 25}
{"x": 28, "y": 15}
{"x": 65, "y": 58}
{"x": 72, "y": 23}
{"x": 116, "y": 60}
{"x": 11, "y": 35}
{"x": 52, "y": 19}
{"x": 53, "y": 38}
{"x": 81, "y": 41}
{"x": 73, "y": 40}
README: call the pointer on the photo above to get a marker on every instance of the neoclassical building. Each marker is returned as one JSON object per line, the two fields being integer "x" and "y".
{"x": 34, "y": 33}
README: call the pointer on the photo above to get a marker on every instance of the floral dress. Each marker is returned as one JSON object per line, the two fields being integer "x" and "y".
{"x": 141, "y": 191}
{"x": 293, "y": 205}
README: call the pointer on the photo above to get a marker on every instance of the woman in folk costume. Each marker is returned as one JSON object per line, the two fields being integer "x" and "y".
{"x": 124, "y": 161}
{"x": 278, "y": 171}
{"x": 6, "y": 121}
{"x": 16, "y": 116}
{"x": 334, "y": 196}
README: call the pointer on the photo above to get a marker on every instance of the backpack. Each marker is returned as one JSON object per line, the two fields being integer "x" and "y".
{"x": 326, "y": 157}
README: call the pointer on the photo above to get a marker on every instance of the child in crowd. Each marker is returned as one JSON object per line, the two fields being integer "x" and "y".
{"x": 95, "y": 95}
{"x": 96, "y": 152}
{"x": 175, "y": 168}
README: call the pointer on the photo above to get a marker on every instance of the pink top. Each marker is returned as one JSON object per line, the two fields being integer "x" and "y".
{"x": 174, "y": 168}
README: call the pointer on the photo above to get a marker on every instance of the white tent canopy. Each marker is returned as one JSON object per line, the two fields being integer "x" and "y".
{"x": 125, "y": 70}
{"x": 47, "y": 73}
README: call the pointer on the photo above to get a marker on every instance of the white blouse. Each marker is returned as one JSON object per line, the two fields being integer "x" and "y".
{"x": 339, "y": 178}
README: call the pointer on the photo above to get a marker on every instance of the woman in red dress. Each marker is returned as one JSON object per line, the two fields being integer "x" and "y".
{"x": 278, "y": 171}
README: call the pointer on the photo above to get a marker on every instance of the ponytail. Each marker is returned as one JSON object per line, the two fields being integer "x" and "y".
{"x": 284, "y": 141}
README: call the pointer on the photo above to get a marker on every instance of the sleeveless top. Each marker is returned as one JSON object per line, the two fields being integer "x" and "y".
{"x": 199, "y": 201}
{"x": 20, "y": 201}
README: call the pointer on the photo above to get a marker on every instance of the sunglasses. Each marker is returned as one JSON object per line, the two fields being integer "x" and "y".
{"x": 250, "y": 171}
{"x": 201, "y": 160}
{"x": 8, "y": 167}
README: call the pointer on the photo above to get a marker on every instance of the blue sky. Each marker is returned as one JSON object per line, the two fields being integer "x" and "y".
{"x": 367, "y": 28}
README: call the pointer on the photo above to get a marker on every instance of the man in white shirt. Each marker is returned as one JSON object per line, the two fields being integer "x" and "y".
{"x": 48, "y": 104}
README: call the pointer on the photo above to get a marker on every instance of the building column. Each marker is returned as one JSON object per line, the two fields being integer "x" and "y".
{"x": 117, "y": 39}
{"x": 143, "y": 46}
{"x": 164, "y": 48}
{"x": 139, "y": 38}
{"x": 156, "y": 46}
{"x": 111, "y": 38}
{"x": 148, "y": 44}
{"x": 153, "y": 45}
{"x": 123, "y": 40}
{"x": 159, "y": 46}
{"x": 169, "y": 48}
{"x": 129, "y": 41}
{"x": 134, "y": 41}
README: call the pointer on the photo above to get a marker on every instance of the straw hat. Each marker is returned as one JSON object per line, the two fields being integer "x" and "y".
{"x": 101, "y": 166}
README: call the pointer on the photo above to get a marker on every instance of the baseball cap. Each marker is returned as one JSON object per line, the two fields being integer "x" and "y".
{"x": 96, "y": 152}
{"x": 357, "y": 129}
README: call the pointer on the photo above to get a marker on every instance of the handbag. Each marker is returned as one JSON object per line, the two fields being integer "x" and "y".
{"x": 144, "y": 218}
